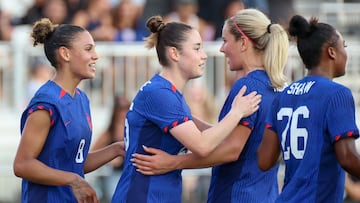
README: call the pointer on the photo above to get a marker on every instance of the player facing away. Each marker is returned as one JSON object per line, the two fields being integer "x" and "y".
{"x": 159, "y": 116}
{"x": 312, "y": 122}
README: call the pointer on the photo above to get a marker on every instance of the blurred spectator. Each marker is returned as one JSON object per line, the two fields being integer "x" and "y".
{"x": 127, "y": 23}
{"x": 213, "y": 11}
{"x": 185, "y": 11}
{"x": 73, "y": 7}
{"x": 114, "y": 132}
{"x": 156, "y": 7}
{"x": 34, "y": 13}
{"x": 96, "y": 17}
{"x": 262, "y": 5}
{"x": 16, "y": 8}
{"x": 40, "y": 72}
{"x": 200, "y": 101}
{"x": 232, "y": 8}
{"x": 281, "y": 11}
{"x": 56, "y": 11}
{"x": 5, "y": 26}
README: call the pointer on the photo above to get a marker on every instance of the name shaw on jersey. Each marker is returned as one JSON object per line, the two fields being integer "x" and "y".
{"x": 300, "y": 88}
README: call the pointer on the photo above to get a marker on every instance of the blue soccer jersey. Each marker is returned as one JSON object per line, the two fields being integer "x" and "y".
{"x": 309, "y": 116}
{"x": 157, "y": 108}
{"x": 67, "y": 143}
{"x": 242, "y": 180}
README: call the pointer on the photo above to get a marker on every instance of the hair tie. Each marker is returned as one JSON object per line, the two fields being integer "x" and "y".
{"x": 161, "y": 27}
{"x": 268, "y": 28}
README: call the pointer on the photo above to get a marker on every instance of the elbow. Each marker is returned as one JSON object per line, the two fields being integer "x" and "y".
{"x": 202, "y": 152}
{"x": 232, "y": 155}
{"x": 18, "y": 169}
{"x": 263, "y": 166}
{"x": 263, "y": 163}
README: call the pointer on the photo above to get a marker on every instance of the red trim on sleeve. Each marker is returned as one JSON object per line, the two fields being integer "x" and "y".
{"x": 175, "y": 123}
{"x": 166, "y": 129}
{"x": 246, "y": 123}
{"x": 40, "y": 107}
{"x": 186, "y": 119}
{"x": 268, "y": 126}
{"x": 351, "y": 133}
{"x": 337, "y": 137}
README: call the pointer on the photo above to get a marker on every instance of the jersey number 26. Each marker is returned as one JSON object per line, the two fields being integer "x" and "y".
{"x": 293, "y": 132}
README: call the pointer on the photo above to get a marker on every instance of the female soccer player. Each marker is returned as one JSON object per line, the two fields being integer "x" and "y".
{"x": 253, "y": 45}
{"x": 313, "y": 120}
{"x": 56, "y": 127}
{"x": 159, "y": 116}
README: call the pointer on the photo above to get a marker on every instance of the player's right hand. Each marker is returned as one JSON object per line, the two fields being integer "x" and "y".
{"x": 246, "y": 105}
{"x": 83, "y": 192}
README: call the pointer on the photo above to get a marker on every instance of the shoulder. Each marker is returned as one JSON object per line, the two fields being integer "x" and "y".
{"x": 163, "y": 96}
{"x": 157, "y": 93}
{"x": 48, "y": 93}
{"x": 158, "y": 86}
{"x": 333, "y": 88}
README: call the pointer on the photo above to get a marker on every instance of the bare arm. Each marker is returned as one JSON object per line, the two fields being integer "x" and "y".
{"x": 347, "y": 155}
{"x": 201, "y": 125}
{"x": 352, "y": 188}
{"x": 203, "y": 143}
{"x": 103, "y": 140}
{"x": 161, "y": 162}
{"x": 104, "y": 155}
{"x": 27, "y": 166}
{"x": 269, "y": 150}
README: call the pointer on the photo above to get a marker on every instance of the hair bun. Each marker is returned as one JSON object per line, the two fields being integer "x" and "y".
{"x": 42, "y": 29}
{"x": 299, "y": 27}
{"x": 155, "y": 24}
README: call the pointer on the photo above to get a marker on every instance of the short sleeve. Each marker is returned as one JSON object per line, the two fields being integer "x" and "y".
{"x": 167, "y": 109}
{"x": 247, "y": 121}
{"x": 40, "y": 106}
{"x": 340, "y": 116}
